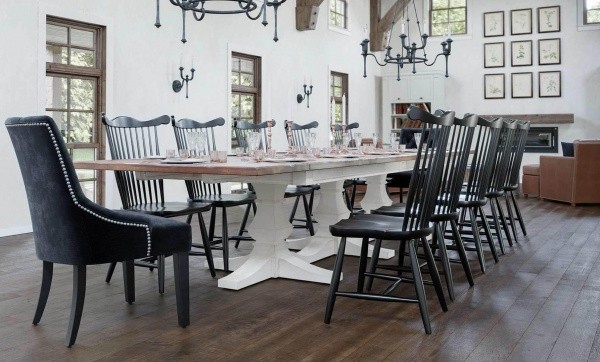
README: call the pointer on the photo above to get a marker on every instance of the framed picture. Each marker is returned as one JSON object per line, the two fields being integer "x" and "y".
{"x": 522, "y": 85}
{"x": 548, "y": 51}
{"x": 493, "y": 55}
{"x": 549, "y": 84}
{"x": 521, "y": 53}
{"x": 520, "y": 21}
{"x": 493, "y": 24}
{"x": 494, "y": 86}
{"x": 548, "y": 19}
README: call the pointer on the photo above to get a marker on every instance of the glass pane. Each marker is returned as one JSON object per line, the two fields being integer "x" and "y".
{"x": 338, "y": 113}
{"x": 235, "y": 106}
{"x": 458, "y": 3}
{"x": 439, "y": 29}
{"x": 247, "y": 80}
{"x": 61, "y": 121}
{"x": 89, "y": 189}
{"x": 337, "y": 91}
{"x": 82, "y": 94}
{"x": 81, "y": 127}
{"x": 341, "y": 7}
{"x": 235, "y": 78}
{"x": 57, "y": 34}
{"x": 332, "y": 5}
{"x": 84, "y": 154}
{"x": 235, "y": 64}
{"x": 331, "y": 18}
{"x": 458, "y": 28}
{"x": 457, "y": 14}
{"x": 56, "y": 92}
{"x": 247, "y": 105}
{"x": 592, "y": 4}
{"x": 57, "y": 54}
{"x": 593, "y": 16}
{"x": 82, "y": 58}
{"x": 440, "y": 4}
{"x": 82, "y": 38}
{"x": 337, "y": 81}
{"x": 439, "y": 16}
{"x": 247, "y": 66}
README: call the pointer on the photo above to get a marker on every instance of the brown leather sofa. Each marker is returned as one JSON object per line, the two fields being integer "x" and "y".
{"x": 572, "y": 179}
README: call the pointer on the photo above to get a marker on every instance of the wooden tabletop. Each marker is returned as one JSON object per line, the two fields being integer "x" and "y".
{"x": 235, "y": 166}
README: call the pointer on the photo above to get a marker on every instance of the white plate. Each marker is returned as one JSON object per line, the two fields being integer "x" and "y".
{"x": 383, "y": 153}
{"x": 340, "y": 156}
{"x": 156, "y": 157}
{"x": 184, "y": 161}
{"x": 282, "y": 160}
{"x": 411, "y": 150}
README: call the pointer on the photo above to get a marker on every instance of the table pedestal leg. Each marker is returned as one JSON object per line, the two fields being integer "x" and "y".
{"x": 270, "y": 257}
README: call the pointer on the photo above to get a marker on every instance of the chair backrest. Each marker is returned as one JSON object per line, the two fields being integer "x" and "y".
{"x": 244, "y": 128}
{"x": 484, "y": 158}
{"x": 516, "y": 154}
{"x": 503, "y": 152}
{"x": 129, "y": 138}
{"x": 300, "y": 133}
{"x": 338, "y": 132}
{"x": 455, "y": 164}
{"x": 428, "y": 168}
{"x": 196, "y": 189}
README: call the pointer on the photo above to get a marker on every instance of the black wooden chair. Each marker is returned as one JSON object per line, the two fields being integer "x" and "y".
{"x": 446, "y": 208}
{"x": 413, "y": 228}
{"x": 300, "y": 135}
{"x": 211, "y": 193}
{"x": 401, "y": 180}
{"x": 473, "y": 195}
{"x": 129, "y": 138}
{"x": 243, "y": 128}
{"x": 70, "y": 229}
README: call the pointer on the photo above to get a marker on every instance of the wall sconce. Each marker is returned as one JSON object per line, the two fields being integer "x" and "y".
{"x": 178, "y": 84}
{"x": 306, "y": 95}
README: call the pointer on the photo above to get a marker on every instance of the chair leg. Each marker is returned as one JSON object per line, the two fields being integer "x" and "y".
{"x": 48, "y": 270}
{"x": 225, "y": 240}
{"x": 418, "y": 284}
{"x": 79, "y": 274}
{"x": 439, "y": 236}
{"x": 189, "y": 219}
{"x": 496, "y": 225}
{"x": 335, "y": 280}
{"x": 309, "y": 223}
{"x": 243, "y": 224}
{"x": 477, "y": 239}
{"x": 373, "y": 264}
{"x": 504, "y": 223}
{"x": 207, "y": 246}
{"x": 488, "y": 234}
{"x": 293, "y": 213}
{"x": 401, "y": 254}
{"x": 211, "y": 225}
{"x": 109, "y": 273}
{"x": 181, "y": 267}
{"x": 362, "y": 265}
{"x": 160, "y": 261}
{"x": 129, "y": 281}
{"x": 254, "y": 207}
{"x": 518, "y": 213}
{"x": 511, "y": 217}
{"x": 460, "y": 247}
{"x": 435, "y": 275}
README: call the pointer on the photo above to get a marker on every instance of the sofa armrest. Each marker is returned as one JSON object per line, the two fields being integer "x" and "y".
{"x": 556, "y": 178}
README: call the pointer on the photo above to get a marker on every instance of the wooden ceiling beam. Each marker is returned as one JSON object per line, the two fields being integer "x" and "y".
{"x": 380, "y": 26}
{"x": 307, "y": 12}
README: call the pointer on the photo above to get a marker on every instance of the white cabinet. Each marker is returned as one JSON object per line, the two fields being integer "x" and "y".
{"x": 413, "y": 88}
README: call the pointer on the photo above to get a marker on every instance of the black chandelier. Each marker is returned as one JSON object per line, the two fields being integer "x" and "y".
{"x": 199, "y": 8}
{"x": 408, "y": 54}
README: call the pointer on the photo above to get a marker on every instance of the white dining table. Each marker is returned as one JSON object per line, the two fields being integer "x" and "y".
{"x": 270, "y": 256}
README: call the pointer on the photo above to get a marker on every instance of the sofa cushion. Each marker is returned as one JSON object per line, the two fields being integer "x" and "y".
{"x": 568, "y": 149}
{"x": 533, "y": 170}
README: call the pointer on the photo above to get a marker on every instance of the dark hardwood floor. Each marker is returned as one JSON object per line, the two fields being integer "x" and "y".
{"x": 540, "y": 302}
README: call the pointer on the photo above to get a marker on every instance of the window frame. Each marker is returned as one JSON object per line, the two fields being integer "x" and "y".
{"x": 338, "y": 100}
{"x": 585, "y": 17}
{"x": 98, "y": 73}
{"x": 345, "y": 15}
{"x": 256, "y": 90}
{"x": 430, "y": 15}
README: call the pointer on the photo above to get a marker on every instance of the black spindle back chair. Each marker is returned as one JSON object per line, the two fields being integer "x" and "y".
{"x": 300, "y": 133}
{"x": 244, "y": 128}
{"x": 338, "y": 132}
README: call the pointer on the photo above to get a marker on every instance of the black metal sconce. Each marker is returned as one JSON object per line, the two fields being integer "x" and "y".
{"x": 300, "y": 97}
{"x": 178, "y": 84}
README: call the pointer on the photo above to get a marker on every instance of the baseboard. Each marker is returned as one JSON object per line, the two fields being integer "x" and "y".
{"x": 24, "y": 229}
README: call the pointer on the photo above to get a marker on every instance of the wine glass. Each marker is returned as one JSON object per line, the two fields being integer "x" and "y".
{"x": 375, "y": 139}
{"x": 358, "y": 140}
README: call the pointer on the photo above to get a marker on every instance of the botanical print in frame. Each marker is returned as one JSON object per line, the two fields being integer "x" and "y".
{"x": 493, "y": 54}
{"x": 548, "y": 19}
{"x": 522, "y": 85}
{"x": 521, "y": 53}
{"x": 493, "y": 24}
{"x": 548, "y": 51}
{"x": 520, "y": 22}
{"x": 549, "y": 84}
{"x": 494, "y": 86}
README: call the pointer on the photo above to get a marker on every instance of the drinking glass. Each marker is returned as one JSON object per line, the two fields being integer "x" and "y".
{"x": 222, "y": 156}
{"x": 357, "y": 139}
{"x": 312, "y": 140}
{"x": 184, "y": 153}
{"x": 375, "y": 139}
{"x": 170, "y": 154}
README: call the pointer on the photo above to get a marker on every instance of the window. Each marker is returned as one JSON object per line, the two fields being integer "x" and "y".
{"x": 75, "y": 93}
{"x": 338, "y": 13}
{"x": 448, "y": 15}
{"x": 339, "y": 94}
{"x": 245, "y": 90}
{"x": 591, "y": 12}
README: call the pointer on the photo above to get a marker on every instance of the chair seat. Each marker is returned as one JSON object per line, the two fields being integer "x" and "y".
{"x": 463, "y": 202}
{"x": 399, "y": 179}
{"x": 493, "y": 194}
{"x": 399, "y": 209}
{"x": 376, "y": 226}
{"x": 171, "y": 209}
{"x": 294, "y": 191}
{"x": 227, "y": 200}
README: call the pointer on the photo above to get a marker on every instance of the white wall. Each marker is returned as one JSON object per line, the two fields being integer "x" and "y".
{"x": 580, "y": 69}
{"x": 143, "y": 61}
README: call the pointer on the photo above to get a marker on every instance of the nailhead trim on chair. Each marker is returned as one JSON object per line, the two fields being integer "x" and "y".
{"x": 66, "y": 175}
